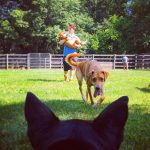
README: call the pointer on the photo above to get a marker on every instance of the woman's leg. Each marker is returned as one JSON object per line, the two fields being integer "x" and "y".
{"x": 66, "y": 68}
{"x": 127, "y": 65}
{"x": 65, "y": 75}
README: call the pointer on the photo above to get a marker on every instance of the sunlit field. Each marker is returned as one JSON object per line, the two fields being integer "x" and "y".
{"x": 65, "y": 100}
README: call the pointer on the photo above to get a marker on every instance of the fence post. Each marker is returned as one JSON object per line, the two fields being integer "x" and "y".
{"x": 28, "y": 61}
{"x": 114, "y": 66}
{"x": 135, "y": 65}
{"x": 61, "y": 62}
{"x": 45, "y": 63}
{"x": 93, "y": 57}
{"x": 50, "y": 61}
{"x": 143, "y": 62}
{"x": 7, "y": 61}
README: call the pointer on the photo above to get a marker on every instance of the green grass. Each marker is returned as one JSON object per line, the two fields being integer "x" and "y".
{"x": 65, "y": 100}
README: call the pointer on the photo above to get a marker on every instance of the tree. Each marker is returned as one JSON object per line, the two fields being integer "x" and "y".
{"x": 107, "y": 37}
{"x": 115, "y": 26}
{"x": 140, "y": 20}
{"x": 8, "y": 33}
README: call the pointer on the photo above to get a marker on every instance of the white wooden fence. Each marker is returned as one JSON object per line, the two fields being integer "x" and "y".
{"x": 47, "y": 60}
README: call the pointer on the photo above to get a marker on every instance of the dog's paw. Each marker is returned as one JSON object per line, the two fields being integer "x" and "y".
{"x": 84, "y": 98}
{"x": 101, "y": 99}
{"x": 95, "y": 105}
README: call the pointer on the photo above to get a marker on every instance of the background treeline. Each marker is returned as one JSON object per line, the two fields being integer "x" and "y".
{"x": 108, "y": 26}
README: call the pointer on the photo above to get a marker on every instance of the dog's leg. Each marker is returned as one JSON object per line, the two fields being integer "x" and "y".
{"x": 87, "y": 94}
{"x": 90, "y": 94}
{"x": 100, "y": 101}
{"x": 81, "y": 91}
{"x": 80, "y": 80}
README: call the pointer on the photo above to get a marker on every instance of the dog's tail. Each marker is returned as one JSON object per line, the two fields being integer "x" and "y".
{"x": 70, "y": 60}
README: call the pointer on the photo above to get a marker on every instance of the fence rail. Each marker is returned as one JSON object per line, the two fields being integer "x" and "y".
{"x": 47, "y": 60}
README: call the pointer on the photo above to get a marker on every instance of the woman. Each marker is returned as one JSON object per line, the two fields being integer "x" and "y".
{"x": 71, "y": 37}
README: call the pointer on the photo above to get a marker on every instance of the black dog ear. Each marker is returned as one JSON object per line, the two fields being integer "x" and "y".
{"x": 112, "y": 120}
{"x": 37, "y": 113}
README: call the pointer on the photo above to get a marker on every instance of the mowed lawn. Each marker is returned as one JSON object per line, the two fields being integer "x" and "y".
{"x": 65, "y": 101}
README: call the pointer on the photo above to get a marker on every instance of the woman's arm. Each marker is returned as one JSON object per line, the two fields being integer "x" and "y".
{"x": 61, "y": 42}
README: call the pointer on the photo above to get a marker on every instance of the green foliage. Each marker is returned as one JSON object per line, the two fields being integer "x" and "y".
{"x": 109, "y": 26}
{"x": 107, "y": 35}
{"x": 140, "y": 25}
{"x": 146, "y": 40}
{"x": 7, "y": 30}
{"x": 18, "y": 15}
{"x": 94, "y": 42}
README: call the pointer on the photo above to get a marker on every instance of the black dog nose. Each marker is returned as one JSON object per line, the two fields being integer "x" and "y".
{"x": 97, "y": 88}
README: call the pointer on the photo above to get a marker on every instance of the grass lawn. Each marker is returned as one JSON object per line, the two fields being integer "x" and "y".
{"x": 65, "y": 100}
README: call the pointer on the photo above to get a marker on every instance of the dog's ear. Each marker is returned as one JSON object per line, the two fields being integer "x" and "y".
{"x": 37, "y": 113}
{"x": 91, "y": 73}
{"x": 105, "y": 74}
{"x": 111, "y": 121}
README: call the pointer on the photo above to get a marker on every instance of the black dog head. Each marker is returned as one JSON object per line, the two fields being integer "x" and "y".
{"x": 47, "y": 132}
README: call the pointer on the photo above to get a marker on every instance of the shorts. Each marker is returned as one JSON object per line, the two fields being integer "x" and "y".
{"x": 67, "y": 66}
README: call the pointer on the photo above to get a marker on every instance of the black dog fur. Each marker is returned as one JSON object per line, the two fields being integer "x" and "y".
{"x": 47, "y": 132}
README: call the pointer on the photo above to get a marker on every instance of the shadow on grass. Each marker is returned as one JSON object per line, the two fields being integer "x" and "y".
{"x": 137, "y": 129}
{"x": 146, "y": 90}
{"x": 13, "y": 126}
{"x": 141, "y": 69}
{"x": 45, "y": 80}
